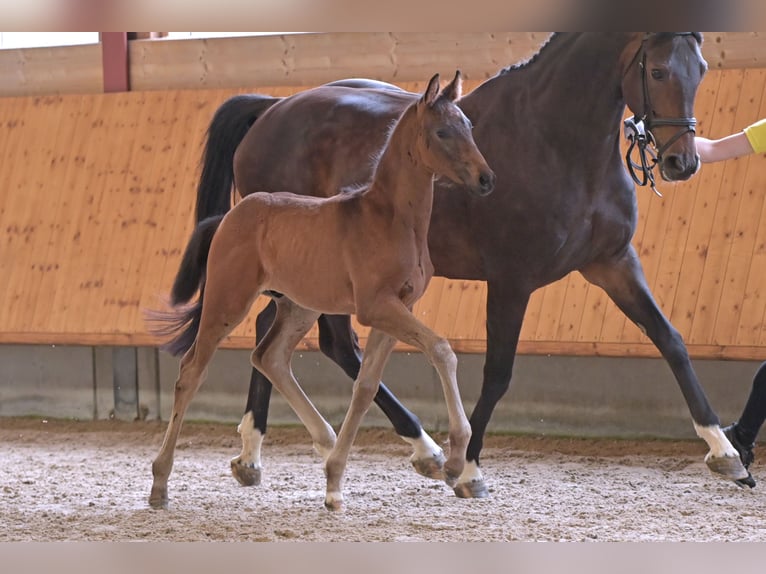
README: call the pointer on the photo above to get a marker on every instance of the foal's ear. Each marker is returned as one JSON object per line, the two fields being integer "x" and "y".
{"x": 432, "y": 91}
{"x": 454, "y": 89}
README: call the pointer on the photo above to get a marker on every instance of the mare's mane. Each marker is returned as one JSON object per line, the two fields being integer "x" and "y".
{"x": 552, "y": 39}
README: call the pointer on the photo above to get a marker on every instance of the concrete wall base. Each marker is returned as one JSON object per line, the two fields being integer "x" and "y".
{"x": 578, "y": 396}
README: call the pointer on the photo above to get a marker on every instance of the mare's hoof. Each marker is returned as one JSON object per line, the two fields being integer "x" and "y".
{"x": 748, "y": 482}
{"x": 246, "y": 474}
{"x": 333, "y": 502}
{"x": 430, "y": 467}
{"x": 471, "y": 489}
{"x": 729, "y": 467}
{"x": 745, "y": 454}
{"x": 158, "y": 499}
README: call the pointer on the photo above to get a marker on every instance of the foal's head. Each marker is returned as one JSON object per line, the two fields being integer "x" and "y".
{"x": 445, "y": 141}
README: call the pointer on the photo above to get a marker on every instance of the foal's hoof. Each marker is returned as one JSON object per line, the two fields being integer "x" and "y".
{"x": 431, "y": 466}
{"x": 333, "y": 501}
{"x": 471, "y": 489}
{"x": 727, "y": 466}
{"x": 246, "y": 474}
{"x": 158, "y": 499}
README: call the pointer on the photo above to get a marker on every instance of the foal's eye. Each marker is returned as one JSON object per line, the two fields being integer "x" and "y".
{"x": 658, "y": 74}
{"x": 442, "y": 134}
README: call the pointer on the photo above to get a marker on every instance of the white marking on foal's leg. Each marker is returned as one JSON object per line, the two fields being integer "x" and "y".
{"x": 716, "y": 440}
{"x": 427, "y": 456}
{"x": 246, "y": 467}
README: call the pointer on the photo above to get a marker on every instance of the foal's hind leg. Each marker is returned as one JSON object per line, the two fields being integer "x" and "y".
{"x": 624, "y": 282}
{"x": 272, "y": 358}
{"x": 192, "y": 373}
{"x": 339, "y": 342}
{"x": 379, "y": 347}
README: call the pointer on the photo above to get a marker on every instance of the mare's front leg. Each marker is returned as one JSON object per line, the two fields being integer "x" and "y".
{"x": 623, "y": 280}
{"x": 338, "y": 341}
{"x": 505, "y": 312}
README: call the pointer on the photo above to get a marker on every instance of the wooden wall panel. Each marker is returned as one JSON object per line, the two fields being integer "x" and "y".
{"x": 98, "y": 192}
{"x": 307, "y": 59}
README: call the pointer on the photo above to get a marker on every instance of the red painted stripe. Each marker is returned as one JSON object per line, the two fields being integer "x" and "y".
{"x": 114, "y": 46}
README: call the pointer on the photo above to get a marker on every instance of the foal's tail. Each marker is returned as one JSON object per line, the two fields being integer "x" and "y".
{"x": 227, "y": 129}
{"x": 182, "y": 321}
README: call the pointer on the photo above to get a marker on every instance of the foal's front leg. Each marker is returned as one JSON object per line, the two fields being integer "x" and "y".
{"x": 379, "y": 347}
{"x": 390, "y": 315}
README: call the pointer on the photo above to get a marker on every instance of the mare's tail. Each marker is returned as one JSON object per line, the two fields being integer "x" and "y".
{"x": 182, "y": 321}
{"x": 226, "y": 131}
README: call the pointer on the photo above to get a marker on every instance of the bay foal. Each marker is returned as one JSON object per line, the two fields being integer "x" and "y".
{"x": 363, "y": 252}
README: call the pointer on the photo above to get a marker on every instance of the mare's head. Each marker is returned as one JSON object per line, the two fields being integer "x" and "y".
{"x": 661, "y": 75}
{"x": 445, "y": 141}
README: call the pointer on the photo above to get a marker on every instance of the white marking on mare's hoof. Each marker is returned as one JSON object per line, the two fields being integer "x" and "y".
{"x": 471, "y": 483}
{"x": 723, "y": 459}
{"x": 427, "y": 458}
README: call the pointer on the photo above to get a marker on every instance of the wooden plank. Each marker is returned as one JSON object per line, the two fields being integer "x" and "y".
{"x": 55, "y": 70}
{"x": 82, "y": 183}
{"x": 52, "y": 161}
{"x": 689, "y": 306}
{"x": 675, "y": 236}
{"x": 737, "y": 201}
{"x": 13, "y": 234}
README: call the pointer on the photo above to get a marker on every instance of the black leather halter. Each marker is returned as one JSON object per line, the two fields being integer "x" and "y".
{"x": 638, "y": 130}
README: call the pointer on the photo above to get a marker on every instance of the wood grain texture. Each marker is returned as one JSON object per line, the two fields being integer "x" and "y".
{"x": 98, "y": 193}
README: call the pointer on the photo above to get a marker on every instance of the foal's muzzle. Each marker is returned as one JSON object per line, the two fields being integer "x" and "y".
{"x": 486, "y": 183}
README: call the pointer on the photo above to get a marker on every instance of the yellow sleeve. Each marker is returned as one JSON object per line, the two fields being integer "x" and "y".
{"x": 756, "y": 135}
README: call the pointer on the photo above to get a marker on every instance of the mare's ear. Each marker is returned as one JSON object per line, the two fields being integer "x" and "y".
{"x": 454, "y": 89}
{"x": 432, "y": 91}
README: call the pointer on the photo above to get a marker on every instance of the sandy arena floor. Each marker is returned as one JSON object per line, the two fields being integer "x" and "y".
{"x": 62, "y": 480}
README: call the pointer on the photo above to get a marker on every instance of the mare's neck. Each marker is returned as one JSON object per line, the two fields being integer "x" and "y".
{"x": 402, "y": 184}
{"x": 571, "y": 89}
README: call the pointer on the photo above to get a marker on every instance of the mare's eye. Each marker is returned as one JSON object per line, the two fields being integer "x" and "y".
{"x": 442, "y": 134}
{"x": 658, "y": 74}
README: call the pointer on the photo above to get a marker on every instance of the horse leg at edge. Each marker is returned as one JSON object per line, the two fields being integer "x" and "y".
{"x": 272, "y": 357}
{"x": 247, "y": 467}
{"x": 624, "y": 282}
{"x": 339, "y": 342}
{"x": 505, "y": 313}
{"x": 379, "y": 347}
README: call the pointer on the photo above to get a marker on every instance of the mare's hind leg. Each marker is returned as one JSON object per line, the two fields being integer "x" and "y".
{"x": 218, "y": 319}
{"x": 247, "y": 467}
{"x": 379, "y": 347}
{"x": 272, "y": 358}
{"x": 339, "y": 342}
{"x": 623, "y": 280}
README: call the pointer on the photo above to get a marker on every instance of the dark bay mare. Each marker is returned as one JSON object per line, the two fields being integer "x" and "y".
{"x": 550, "y": 128}
{"x": 363, "y": 251}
